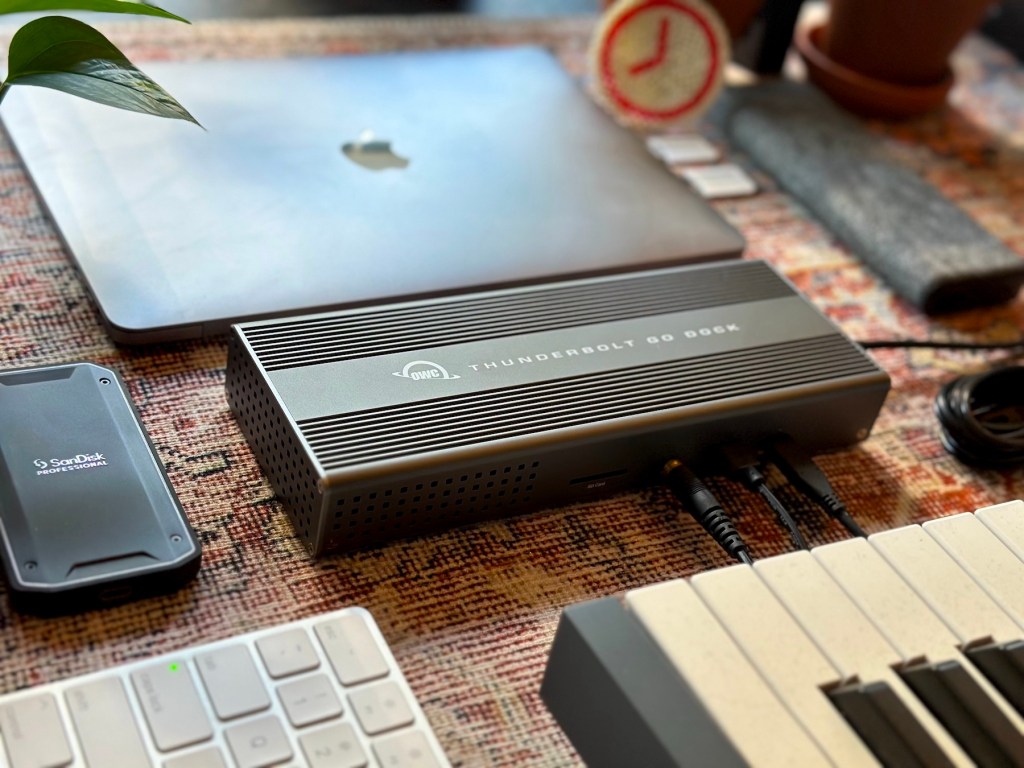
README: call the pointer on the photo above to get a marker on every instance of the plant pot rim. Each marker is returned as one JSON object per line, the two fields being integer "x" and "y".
{"x": 865, "y": 95}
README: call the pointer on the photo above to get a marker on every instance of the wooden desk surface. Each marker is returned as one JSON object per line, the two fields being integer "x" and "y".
{"x": 470, "y": 613}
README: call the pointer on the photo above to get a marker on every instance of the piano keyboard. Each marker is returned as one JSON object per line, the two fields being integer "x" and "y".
{"x": 903, "y": 649}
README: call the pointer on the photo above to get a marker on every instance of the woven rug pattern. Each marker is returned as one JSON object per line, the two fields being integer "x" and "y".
{"x": 470, "y": 613}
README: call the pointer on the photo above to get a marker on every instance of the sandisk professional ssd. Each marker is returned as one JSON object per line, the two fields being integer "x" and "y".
{"x": 87, "y": 513}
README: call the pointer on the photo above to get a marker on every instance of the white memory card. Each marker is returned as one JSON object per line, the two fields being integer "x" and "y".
{"x": 724, "y": 180}
{"x": 683, "y": 150}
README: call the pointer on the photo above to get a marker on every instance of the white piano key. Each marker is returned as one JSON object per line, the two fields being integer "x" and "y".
{"x": 946, "y": 587}
{"x": 845, "y": 635}
{"x": 745, "y": 707}
{"x": 980, "y": 552}
{"x": 1007, "y": 522}
{"x": 910, "y": 625}
{"x": 821, "y": 607}
{"x": 896, "y": 608}
{"x": 785, "y": 656}
{"x": 886, "y": 599}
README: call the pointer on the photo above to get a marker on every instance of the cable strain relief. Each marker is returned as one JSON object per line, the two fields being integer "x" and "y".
{"x": 834, "y": 506}
{"x": 837, "y": 510}
{"x": 721, "y": 529}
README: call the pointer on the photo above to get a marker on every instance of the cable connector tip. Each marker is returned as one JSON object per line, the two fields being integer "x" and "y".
{"x": 801, "y": 470}
{"x": 705, "y": 509}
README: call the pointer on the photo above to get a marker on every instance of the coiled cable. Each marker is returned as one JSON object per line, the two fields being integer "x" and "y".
{"x": 982, "y": 417}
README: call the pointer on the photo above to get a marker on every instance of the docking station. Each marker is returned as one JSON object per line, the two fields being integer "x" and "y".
{"x": 388, "y": 421}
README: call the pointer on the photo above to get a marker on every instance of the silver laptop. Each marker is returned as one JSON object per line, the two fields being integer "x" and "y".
{"x": 323, "y": 183}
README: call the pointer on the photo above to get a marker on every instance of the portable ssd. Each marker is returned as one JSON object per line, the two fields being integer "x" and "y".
{"x": 87, "y": 513}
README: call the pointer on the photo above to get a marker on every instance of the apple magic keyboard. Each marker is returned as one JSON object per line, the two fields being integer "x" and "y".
{"x": 323, "y": 692}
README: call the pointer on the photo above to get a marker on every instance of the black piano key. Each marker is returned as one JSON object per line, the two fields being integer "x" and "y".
{"x": 906, "y": 724}
{"x": 998, "y": 664}
{"x": 1015, "y": 651}
{"x": 889, "y": 729}
{"x": 967, "y": 712}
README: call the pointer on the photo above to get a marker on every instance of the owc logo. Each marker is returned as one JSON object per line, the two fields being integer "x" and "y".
{"x": 421, "y": 370}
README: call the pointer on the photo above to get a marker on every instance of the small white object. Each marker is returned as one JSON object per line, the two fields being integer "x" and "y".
{"x": 723, "y": 180}
{"x": 686, "y": 149}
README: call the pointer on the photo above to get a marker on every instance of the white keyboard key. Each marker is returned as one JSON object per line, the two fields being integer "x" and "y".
{"x": 881, "y": 593}
{"x": 309, "y": 700}
{"x": 405, "y": 750}
{"x": 351, "y": 649}
{"x": 381, "y": 707}
{"x": 949, "y": 590}
{"x": 786, "y": 657}
{"x": 94, "y": 706}
{"x": 737, "y": 697}
{"x": 288, "y": 653}
{"x": 821, "y": 607}
{"x": 34, "y": 734}
{"x": 171, "y": 704}
{"x": 853, "y": 643}
{"x": 989, "y": 562}
{"x": 259, "y": 743}
{"x": 333, "y": 747}
{"x": 232, "y": 682}
{"x": 211, "y": 757}
{"x": 1007, "y": 522}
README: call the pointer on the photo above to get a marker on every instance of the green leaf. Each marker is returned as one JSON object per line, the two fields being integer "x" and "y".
{"x": 70, "y": 56}
{"x": 104, "y": 6}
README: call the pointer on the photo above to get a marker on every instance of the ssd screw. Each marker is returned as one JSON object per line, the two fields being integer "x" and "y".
{"x": 30, "y": 565}
{"x": 104, "y": 380}
{"x": 176, "y": 539}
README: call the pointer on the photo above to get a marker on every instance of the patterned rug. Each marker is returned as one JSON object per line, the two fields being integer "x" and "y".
{"x": 470, "y": 613}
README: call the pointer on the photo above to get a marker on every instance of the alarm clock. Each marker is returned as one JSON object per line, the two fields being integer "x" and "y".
{"x": 658, "y": 62}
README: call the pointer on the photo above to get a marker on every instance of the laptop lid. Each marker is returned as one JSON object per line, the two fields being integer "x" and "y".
{"x": 513, "y": 176}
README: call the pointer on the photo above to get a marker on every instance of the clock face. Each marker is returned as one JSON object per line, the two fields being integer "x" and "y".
{"x": 655, "y": 61}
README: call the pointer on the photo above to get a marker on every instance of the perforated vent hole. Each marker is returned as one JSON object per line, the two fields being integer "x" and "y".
{"x": 273, "y": 443}
{"x": 435, "y": 503}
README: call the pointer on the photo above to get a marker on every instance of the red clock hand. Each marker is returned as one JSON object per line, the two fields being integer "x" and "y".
{"x": 659, "y": 54}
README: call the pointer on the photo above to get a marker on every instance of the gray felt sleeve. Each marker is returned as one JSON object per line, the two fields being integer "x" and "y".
{"x": 926, "y": 248}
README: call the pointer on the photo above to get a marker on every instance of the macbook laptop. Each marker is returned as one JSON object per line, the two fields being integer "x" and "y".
{"x": 322, "y": 183}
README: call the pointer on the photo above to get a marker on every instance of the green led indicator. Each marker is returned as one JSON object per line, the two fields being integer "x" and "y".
{"x": 173, "y": 667}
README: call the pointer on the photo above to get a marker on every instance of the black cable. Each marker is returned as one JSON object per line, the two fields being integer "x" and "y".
{"x": 705, "y": 509}
{"x": 982, "y": 417}
{"x": 799, "y": 468}
{"x": 929, "y": 344}
{"x": 743, "y": 465}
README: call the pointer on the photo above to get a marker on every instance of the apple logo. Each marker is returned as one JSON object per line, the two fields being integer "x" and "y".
{"x": 373, "y": 153}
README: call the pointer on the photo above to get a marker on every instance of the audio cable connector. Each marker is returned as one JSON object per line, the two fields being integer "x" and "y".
{"x": 705, "y": 509}
{"x": 743, "y": 465}
{"x": 807, "y": 477}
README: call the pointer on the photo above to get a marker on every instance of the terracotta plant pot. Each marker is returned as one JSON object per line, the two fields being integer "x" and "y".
{"x": 888, "y": 58}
